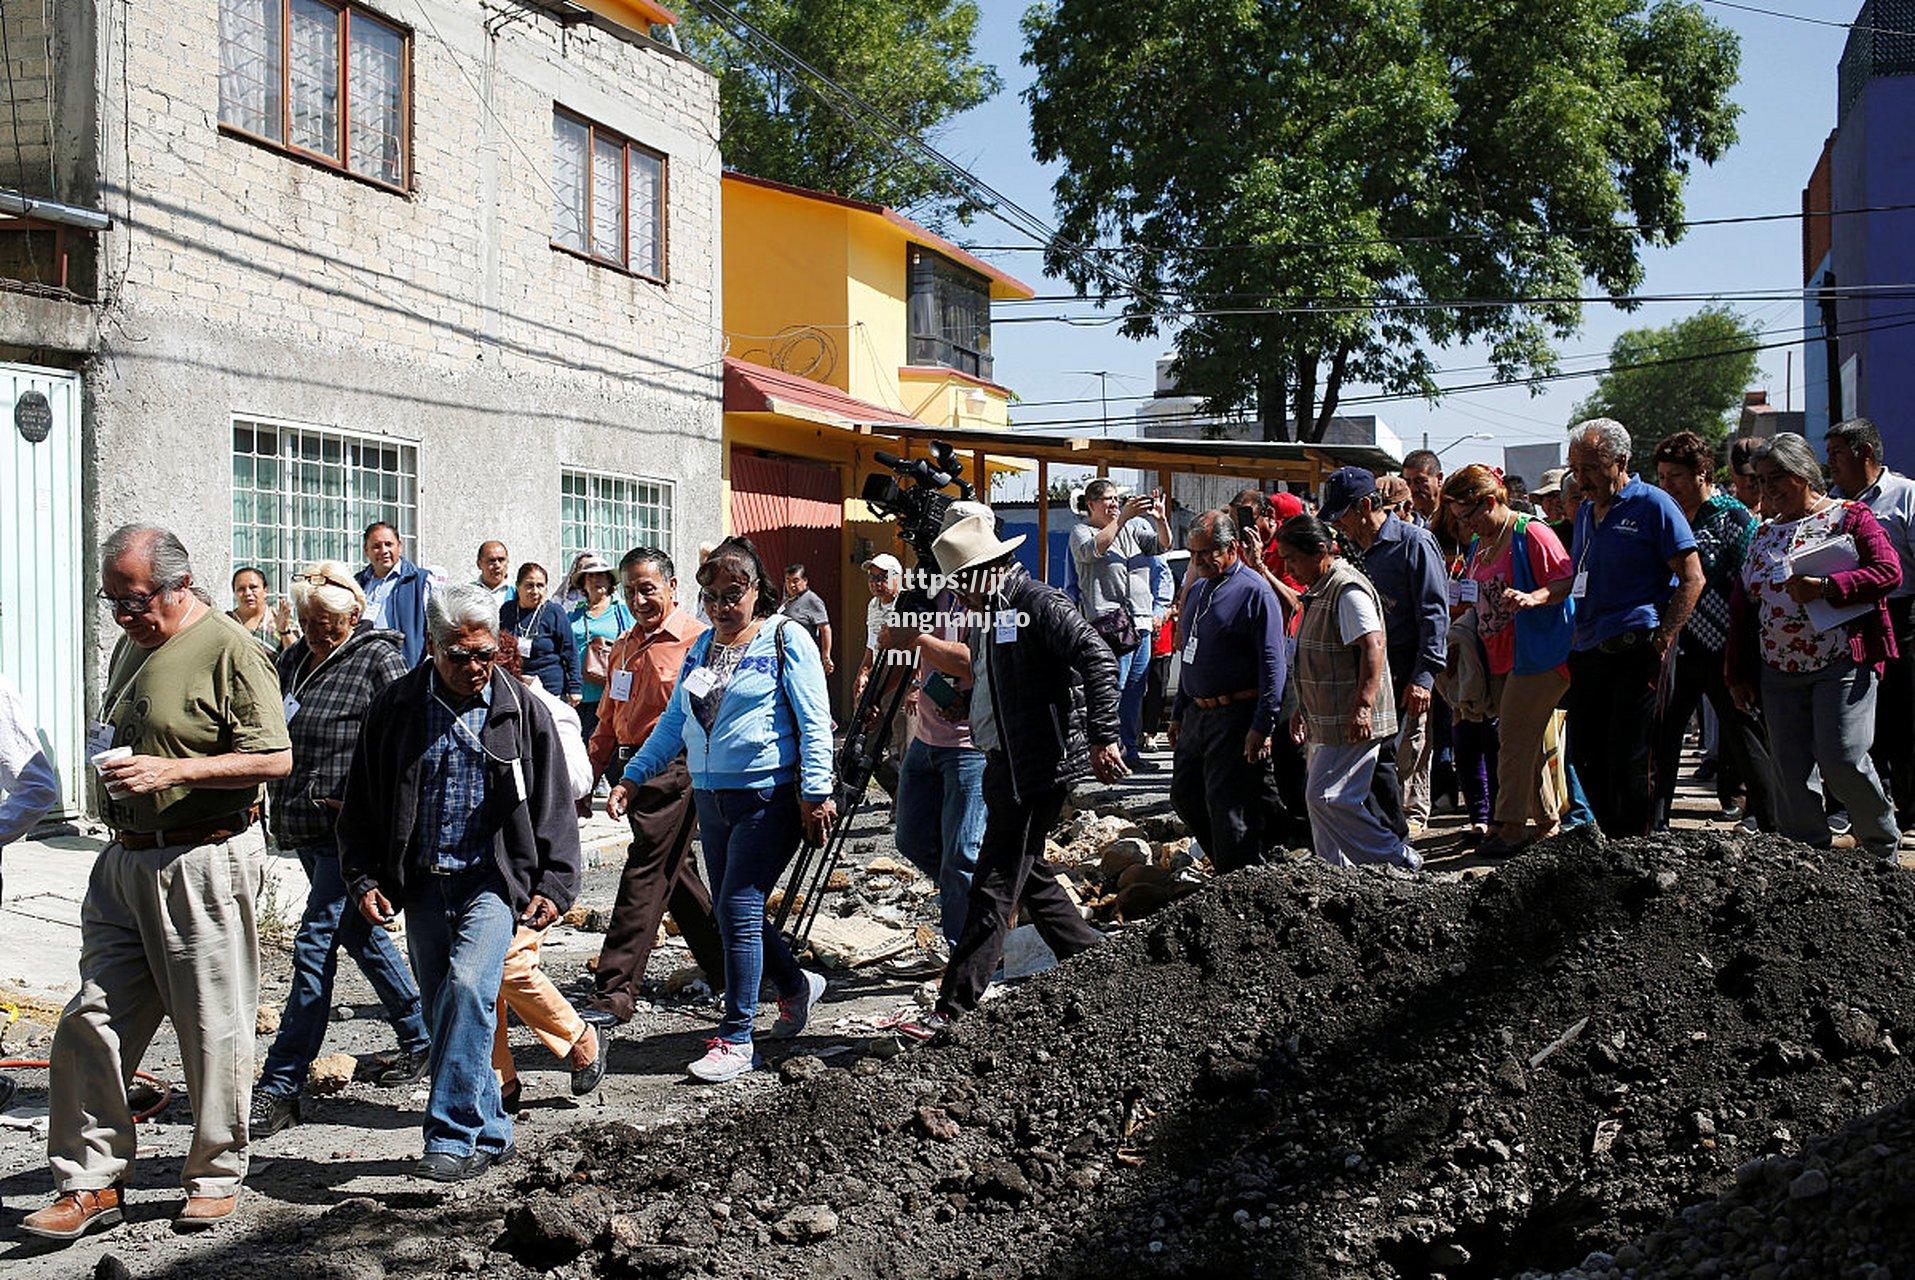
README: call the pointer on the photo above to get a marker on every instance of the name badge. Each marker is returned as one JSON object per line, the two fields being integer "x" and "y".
{"x": 1006, "y": 632}
{"x": 1780, "y": 574}
{"x": 700, "y": 682}
{"x": 518, "y": 780}
{"x": 1580, "y": 587}
{"x": 1190, "y": 649}
{"x": 292, "y": 708}
{"x": 1465, "y": 591}
{"x": 621, "y": 689}
{"x": 99, "y": 737}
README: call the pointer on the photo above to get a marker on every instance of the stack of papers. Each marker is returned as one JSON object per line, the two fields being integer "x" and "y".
{"x": 1819, "y": 560}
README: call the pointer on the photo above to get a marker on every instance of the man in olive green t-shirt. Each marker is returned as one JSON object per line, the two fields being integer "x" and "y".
{"x": 167, "y": 926}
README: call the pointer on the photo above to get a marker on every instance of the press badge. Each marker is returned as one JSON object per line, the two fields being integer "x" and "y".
{"x": 699, "y": 683}
{"x": 1580, "y": 587}
{"x": 518, "y": 779}
{"x": 621, "y": 686}
{"x": 1006, "y": 632}
{"x": 292, "y": 708}
{"x": 1190, "y": 649}
{"x": 1465, "y": 591}
{"x": 99, "y": 737}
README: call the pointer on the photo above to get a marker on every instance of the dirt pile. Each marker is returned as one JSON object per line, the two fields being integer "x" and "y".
{"x": 1300, "y": 1072}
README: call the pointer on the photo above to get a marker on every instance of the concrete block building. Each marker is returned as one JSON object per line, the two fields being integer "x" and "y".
{"x": 448, "y": 263}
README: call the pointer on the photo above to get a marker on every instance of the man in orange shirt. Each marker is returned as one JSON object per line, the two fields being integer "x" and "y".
{"x": 659, "y": 871}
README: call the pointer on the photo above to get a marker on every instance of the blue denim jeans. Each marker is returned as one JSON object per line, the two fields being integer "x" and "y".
{"x": 458, "y": 928}
{"x": 749, "y": 836}
{"x": 329, "y": 926}
{"x": 1133, "y": 676}
{"x": 940, "y": 822}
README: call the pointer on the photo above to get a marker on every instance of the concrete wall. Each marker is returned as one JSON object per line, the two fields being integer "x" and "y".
{"x": 1873, "y": 163}
{"x": 26, "y": 126}
{"x": 248, "y": 282}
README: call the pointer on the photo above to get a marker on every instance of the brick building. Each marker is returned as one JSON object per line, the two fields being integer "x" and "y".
{"x": 450, "y": 263}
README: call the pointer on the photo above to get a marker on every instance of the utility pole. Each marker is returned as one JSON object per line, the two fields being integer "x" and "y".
{"x": 1103, "y": 392}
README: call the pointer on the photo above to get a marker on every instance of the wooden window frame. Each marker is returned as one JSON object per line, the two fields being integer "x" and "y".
{"x": 627, "y": 144}
{"x": 345, "y": 9}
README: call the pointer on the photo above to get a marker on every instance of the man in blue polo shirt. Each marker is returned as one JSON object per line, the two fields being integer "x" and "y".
{"x": 1637, "y": 576}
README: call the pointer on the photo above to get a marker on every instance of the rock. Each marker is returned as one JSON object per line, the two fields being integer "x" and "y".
{"x": 839, "y": 880}
{"x": 1002, "y": 1180}
{"x": 936, "y": 1124}
{"x": 689, "y": 980}
{"x": 884, "y": 866}
{"x": 576, "y": 916}
{"x": 806, "y": 1224}
{"x": 1844, "y": 1031}
{"x": 1701, "y": 1127}
{"x": 331, "y": 1073}
{"x": 110, "y": 1267}
{"x": 845, "y": 942}
{"x": 802, "y": 1067}
{"x": 342, "y": 1013}
{"x": 1809, "y": 1184}
{"x": 550, "y": 1230}
{"x": 266, "y": 1020}
{"x": 1120, "y": 855}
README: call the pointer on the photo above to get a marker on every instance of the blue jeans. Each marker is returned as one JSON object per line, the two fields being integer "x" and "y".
{"x": 329, "y": 926}
{"x": 940, "y": 822}
{"x": 1133, "y": 676}
{"x": 749, "y": 836}
{"x": 458, "y": 928}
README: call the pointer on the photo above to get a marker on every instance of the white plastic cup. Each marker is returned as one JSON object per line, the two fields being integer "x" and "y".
{"x": 99, "y": 758}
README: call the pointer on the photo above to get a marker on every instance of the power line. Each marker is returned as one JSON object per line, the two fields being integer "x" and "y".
{"x": 1803, "y": 17}
{"x": 1331, "y": 303}
{"x": 1447, "y": 237}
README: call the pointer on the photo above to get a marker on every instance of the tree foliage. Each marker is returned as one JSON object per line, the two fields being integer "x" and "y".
{"x": 914, "y": 60}
{"x": 1685, "y": 376}
{"x": 1362, "y": 150}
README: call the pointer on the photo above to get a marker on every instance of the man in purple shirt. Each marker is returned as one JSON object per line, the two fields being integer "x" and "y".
{"x": 1229, "y": 694}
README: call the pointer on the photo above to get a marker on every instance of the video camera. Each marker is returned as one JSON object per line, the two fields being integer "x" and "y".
{"x": 919, "y": 504}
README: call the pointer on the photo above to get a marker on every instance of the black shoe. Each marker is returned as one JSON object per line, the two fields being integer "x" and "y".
{"x": 509, "y": 1093}
{"x": 603, "y": 1019}
{"x": 403, "y": 1069}
{"x": 443, "y": 1166}
{"x": 586, "y": 1078}
{"x": 7, "y": 1089}
{"x": 273, "y": 1112}
{"x": 1706, "y": 771}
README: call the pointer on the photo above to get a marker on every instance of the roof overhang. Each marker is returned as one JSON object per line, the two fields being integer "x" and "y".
{"x": 638, "y": 15}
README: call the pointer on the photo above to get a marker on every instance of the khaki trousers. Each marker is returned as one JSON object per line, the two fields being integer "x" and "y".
{"x": 165, "y": 932}
{"x": 1415, "y": 757}
{"x": 526, "y": 991}
{"x": 1527, "y": 790}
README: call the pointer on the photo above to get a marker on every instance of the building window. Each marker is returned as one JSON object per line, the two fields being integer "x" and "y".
{"x": 304, "y": 493}
{"x": 610, "y": 197}
{"x": 949, "y": 312}
{"x": 324, "y": 78}
{"x": 610, "y": 515}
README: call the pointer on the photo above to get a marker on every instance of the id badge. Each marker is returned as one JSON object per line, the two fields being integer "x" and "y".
{"x": 99, "y": 737}
{"x": 621, "y": 688}
{"x": 291, "y": 708}
{"x": 1580, "y": 587}
{"x": 1190, "y": 649}
{"x": 699, "y": 682}
{"x": 1780, "y": 574}
{"x": 518, "y": 779}
{"x": 1006, "y": 632}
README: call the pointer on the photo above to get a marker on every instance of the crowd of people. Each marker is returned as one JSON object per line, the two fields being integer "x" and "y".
{"x": 1345, "y": 663}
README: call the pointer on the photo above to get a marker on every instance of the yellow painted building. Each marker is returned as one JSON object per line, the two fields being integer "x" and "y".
{"x": 840, "y": 313}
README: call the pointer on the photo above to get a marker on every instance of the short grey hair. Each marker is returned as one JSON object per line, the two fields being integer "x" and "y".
{"x": 1221, "y": 527}
{"x": 1611, "y": 437}
{"x": 450, "y": 610}
{"x": 165, "y": 553}
{"x": 339, "y": 595}
{"x": 1792, "y": 454}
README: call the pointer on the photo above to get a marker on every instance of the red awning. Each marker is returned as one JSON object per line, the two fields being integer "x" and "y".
{"x": 757, "y": 388}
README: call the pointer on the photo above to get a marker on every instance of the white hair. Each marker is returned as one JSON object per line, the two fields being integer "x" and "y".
{"x": 339, "y": 595}
{"x": 450, "y": 610}
{"x": 1611, "y": 438}
{"x": 1792, "y": 454}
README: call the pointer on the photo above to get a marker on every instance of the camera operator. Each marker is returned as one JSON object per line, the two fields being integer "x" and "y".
{"x": 1044, "y": 682}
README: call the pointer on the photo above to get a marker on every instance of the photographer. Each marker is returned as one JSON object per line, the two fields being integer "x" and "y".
{"x": 1111, "y": 551}
{"x": 1043, "y": 683}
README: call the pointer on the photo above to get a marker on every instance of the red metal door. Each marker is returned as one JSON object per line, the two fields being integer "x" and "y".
{"x": 793, "y": 512}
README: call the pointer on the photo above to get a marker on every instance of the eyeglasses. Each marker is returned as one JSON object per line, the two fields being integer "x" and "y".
{"x": 729, "y": 600}
{"x": 321, "y": 580}
{"x": 135, "y": 603}
{"x": 465, "y": 657}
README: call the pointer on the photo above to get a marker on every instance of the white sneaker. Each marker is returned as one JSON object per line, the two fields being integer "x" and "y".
{"x": 795, "y": 1011}
{"x": 723, "y": 1061}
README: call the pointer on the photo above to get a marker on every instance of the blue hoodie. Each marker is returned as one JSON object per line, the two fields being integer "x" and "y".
{"x": 762, "y": 738}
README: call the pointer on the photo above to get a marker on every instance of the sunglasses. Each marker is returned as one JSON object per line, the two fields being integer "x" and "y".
{"x": 465, "y": 657}
{"x": 321, "y": 580}
{"x": 729, "y": 599}
{"x": 136, "y": 603}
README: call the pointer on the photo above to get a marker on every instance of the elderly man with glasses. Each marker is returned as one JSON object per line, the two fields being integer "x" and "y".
{"x": 458, "y": 810}
{"x": 190, "y": 727}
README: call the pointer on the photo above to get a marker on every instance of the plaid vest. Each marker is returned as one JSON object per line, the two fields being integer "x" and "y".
{"x": 1330, "y": 672}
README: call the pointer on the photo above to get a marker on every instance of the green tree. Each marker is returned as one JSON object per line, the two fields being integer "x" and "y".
{"x": 914, "y": 60}
{"x": 1266, "y": 155}
{"x": 1685, "y": 376}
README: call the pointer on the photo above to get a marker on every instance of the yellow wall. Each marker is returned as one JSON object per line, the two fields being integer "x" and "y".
{"x": 785, "y": 265}
{"x": 875, "y": 265}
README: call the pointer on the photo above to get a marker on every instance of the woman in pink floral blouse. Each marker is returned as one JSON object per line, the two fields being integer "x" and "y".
{"x": 1816, "y": 686}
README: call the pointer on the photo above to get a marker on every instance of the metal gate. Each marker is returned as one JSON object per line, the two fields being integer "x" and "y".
{"x": 41, "y": 567}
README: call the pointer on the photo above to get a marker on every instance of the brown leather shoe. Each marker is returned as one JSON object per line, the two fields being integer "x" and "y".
{"x": 74, "y": 1214}
{"x": 201, "y": 1212}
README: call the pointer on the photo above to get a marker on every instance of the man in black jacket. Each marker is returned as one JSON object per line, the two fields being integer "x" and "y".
{"x": 458, "y": 810}
{"x": 1044, "y": 684}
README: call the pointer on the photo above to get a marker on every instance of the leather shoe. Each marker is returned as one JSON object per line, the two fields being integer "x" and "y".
{"x": 74, "y": 1214}
{"x": 201, "y": 1212}
{"x": 402, "y": 1069}
{"x": 443, "y": 1166}
{"x": 604, "y": 1019}
{"x": 586, "y": 1078}
{"x": 272, "y": 1113}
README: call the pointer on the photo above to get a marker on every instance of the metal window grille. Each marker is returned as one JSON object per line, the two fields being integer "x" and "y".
{"x": 611, "y": 514}
{"x": 611, "y": 197}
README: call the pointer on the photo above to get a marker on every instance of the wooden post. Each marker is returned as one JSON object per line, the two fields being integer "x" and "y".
{"x": 1043, "y": 520}
{"x": 981, "y": 475}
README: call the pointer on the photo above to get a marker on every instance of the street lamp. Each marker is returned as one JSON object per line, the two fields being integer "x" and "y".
{"x": 1474, "y": 435}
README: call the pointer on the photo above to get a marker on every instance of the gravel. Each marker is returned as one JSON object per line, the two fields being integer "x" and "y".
{"x": 1307, "y": 1073}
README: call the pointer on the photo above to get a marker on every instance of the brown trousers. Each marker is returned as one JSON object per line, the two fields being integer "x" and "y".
{"x": 659, "y": 873}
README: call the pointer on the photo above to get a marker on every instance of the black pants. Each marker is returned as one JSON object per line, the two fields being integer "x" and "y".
{"x": 1156, "y": 682}
{"x": 1286, "y": 812}
{"x": 1745, "y": 754}
{"x": 1219, "y": 794}
{"x": 1011, "y": 870}
{"x": 1894, "y": 747}
{"x": 1612, "y": 730}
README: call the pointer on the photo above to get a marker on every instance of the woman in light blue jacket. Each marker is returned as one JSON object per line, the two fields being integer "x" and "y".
{"x": 752, "y": 716}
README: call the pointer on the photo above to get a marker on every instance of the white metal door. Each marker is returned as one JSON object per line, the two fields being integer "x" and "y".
{"x": 41, "y": 569}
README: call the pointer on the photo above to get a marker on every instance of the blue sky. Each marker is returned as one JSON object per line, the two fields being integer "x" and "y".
{"x": 1787, "y": 94}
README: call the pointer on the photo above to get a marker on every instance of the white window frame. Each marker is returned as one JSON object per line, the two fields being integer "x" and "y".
{"x": 593, "y": 478}
{"x": 343, "y": 541}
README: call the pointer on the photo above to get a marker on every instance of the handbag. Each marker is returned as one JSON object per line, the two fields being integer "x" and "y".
{"x": 598, "y": 660}
{"x": 1117, "y": 629}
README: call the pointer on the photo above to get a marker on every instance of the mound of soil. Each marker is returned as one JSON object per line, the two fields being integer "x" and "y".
{"x": 1298, "y": 1073}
